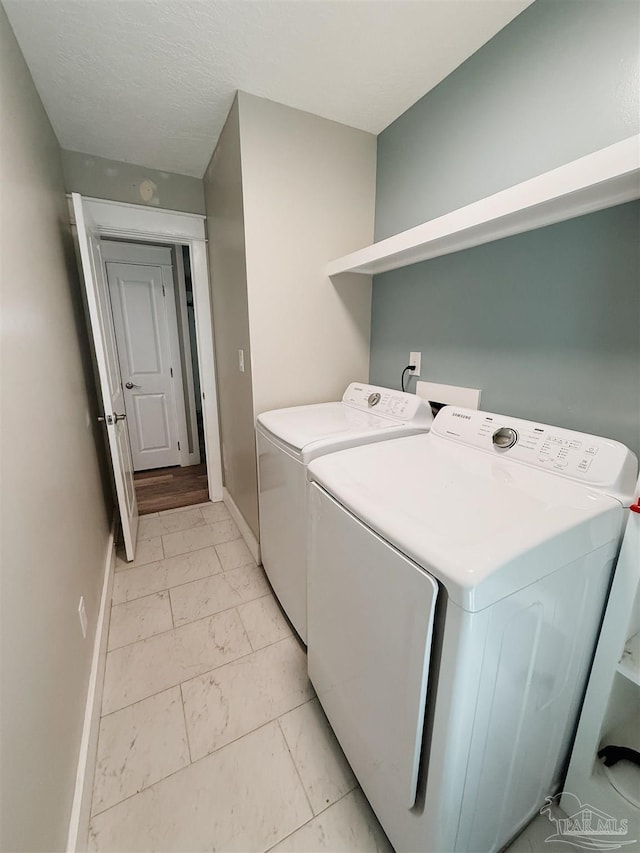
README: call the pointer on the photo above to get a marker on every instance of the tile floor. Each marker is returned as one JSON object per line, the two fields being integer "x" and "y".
{"x": 211, "y": 737}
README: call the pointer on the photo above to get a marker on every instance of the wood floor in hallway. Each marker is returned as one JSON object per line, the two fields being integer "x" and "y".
{"x": 169, "y": 488}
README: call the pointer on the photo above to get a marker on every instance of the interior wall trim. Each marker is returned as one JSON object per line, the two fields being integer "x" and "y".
{"x": 247, "y": 533}
{"x": 81, "y": 807}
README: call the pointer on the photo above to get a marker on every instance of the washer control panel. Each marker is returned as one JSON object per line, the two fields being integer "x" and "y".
{"x": 388, "y": 403}
{"x": 587, "y": 458}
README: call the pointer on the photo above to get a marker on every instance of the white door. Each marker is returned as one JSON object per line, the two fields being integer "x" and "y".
{"x": 108, "y": 372}
{"x": 143, "y": 304}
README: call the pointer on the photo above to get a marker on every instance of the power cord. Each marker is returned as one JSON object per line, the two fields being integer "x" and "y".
{"x": 408, "y": 367}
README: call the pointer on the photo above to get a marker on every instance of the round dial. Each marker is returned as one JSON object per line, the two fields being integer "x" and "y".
{"x": 505, "y": 437}
{"x": 373, "y": 399}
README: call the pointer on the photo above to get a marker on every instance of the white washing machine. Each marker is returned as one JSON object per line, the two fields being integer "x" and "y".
{"x": 456, "y": 585}
{"x": 288, "y": 439}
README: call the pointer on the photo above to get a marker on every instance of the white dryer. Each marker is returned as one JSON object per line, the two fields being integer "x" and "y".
{"x": 288, "y": 439}
{"x": 457, "y": 582}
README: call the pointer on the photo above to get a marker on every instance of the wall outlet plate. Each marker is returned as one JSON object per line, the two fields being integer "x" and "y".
{"x": 415, "y": 358}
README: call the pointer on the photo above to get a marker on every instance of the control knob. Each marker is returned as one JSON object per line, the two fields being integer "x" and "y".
{"x": 505, "y": 437}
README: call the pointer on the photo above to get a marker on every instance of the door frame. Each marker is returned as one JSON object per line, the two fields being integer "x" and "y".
{"x": 183, "y": 321}
{"x": 135, "y": 222}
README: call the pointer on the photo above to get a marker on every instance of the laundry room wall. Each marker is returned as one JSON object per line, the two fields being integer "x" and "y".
{"x": 98, "y": 177}
{"x": 55, "y": 519}
{"x": 545, "y": 323}
{"x": 227, "y": 263}
{"x": 286, "y": 191}
{"x": 558, "y": 82}
{"x": 309, "y": 196}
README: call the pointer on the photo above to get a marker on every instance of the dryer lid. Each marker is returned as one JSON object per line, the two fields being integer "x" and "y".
{"x": 485, "y": 525}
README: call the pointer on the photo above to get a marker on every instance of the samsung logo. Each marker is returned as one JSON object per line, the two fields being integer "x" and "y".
{"x": 458, "y": 415}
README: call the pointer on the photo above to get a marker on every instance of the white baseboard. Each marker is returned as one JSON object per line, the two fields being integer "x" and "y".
{"x": 243, "y": 527}
{"x": 81, "y": 807}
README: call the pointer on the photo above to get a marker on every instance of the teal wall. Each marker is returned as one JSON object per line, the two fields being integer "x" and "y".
{"x": 560, "y": 81}
{"x": 547, "y": 323}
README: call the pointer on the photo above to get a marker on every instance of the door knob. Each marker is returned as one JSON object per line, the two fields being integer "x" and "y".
{"x": 131, "y": 385}
{"x": 112, "y": 419}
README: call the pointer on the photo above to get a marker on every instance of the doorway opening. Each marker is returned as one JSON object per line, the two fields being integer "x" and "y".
{"x": 151, "y": 293}
{"x": 94, "y": 220}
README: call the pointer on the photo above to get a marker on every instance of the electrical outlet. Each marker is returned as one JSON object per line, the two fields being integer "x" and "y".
{"x": 82, "y": 613}
{"x": 415, "y": 358}
{"x": 241, "y": 360}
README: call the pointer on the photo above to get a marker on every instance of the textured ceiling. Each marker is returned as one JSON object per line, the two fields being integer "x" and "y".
{"x": 151, "y": 81}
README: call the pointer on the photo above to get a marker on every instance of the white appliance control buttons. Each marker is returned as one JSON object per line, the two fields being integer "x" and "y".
{"x": 504, "y": 437}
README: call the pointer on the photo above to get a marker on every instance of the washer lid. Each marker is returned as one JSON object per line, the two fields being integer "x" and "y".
{"x": 483, "y": 525}
{"x": 303, "y": 426}
{"x": 364, "y": 410}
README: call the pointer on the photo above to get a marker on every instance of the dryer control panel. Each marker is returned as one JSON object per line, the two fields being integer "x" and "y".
{"x": 387, "y": 403}
{"x": 595, "y": 461}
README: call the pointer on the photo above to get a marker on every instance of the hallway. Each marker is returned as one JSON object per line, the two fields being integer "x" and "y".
{"x": 210, "y": 737}
{"x": 160, "y": 489}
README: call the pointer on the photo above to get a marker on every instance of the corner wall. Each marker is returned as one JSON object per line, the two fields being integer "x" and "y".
{"x": 558, "y": 82}
{"x": 286, "y": 192}
{"x": 546, "y": 323}
{"x": 227, "y": 263}
{"x": 55, "y": 524}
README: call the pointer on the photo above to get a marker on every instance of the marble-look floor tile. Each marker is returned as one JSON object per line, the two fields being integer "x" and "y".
{"x": 215, "y": 512}
{"x": 234, "y": 554}
{"x": 536, "y": 834}
{"x": 348, "y": 826}
{"x": 139, "y": 619}
{"x": 264, "y": 622}
{"x": 183, "y": 508}
{"x": 199, "y": 537}
{"x": 137, "y": 746}
{"x": 147, "y": 551}
{"x": 520, "y": 845}
{"x": 245, "y": 797}
{"x": 162, "y": 525}
{"x": 232, "y": 700}
{"x": 322, "y": 766}
{"x": 533, "y": 838}
{"x": 142, "y": 669}
{"x": 219, "y": 592}
{"x": 164, "y": 574}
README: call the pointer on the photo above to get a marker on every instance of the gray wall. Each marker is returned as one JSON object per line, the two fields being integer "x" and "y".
{"x": 97, "y": 177}
{"x": 54, "y": 521}
{"x": 558, "y": 82}
{"x": 227, "y": 263}
{"x": 546, "y": 323}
